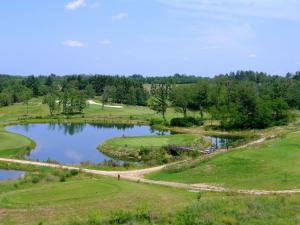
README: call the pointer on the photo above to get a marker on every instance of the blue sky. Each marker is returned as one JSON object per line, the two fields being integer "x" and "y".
{"x": 154, "y": 37}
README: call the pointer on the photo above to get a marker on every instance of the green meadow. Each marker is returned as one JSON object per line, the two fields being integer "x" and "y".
{"x": 14, "y": 145}
{"x": 273, "y": 165}
{"x": 55, "y": 197}
{"x": 82, "y": 195}
{"x": 99, "y": 200}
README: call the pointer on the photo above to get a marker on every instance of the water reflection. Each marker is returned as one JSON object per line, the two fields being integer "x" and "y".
{"x": 75, "y": 143}
{"x": 220, "y": 143}
{"x": 223, "y": 142}
{"x": 10, "y": 174}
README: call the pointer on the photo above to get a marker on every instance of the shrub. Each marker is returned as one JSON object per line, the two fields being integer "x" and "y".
{"x": 191, "y": 216}
{"x": 35, "y": 179}
{"x": 186, "y": 122}
{"x": 144, "y": 151}
{"x": 120, "y": 217}
{"x": 74, "y": 172}
{"x": 156, "y": 122}
{"x": 126, "y": 165}
{"x": 62, "y": 178}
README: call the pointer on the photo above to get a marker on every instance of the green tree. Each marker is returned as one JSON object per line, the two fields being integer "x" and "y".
{"x": 5, "y": 98}
{"x": 200, "y": 97}
{"x": 280, "y": 113}
{"x": 52, "y": 100}
{"x": 131, "y": 98}
{"x": 25, "y": 96}
{"x": 108, "y": 93}
{"x": 89, "y": 91}
{"x": 181, "y": 97}
{"x": 160, "y": 98}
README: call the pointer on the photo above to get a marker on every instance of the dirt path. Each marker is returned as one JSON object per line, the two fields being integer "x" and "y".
{"x": 92, "y": 102}
{"x": 129, "y": 173}
{"x": 137, "y": 176}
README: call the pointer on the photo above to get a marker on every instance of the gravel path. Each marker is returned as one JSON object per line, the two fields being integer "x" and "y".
{"x": 137, "y": 176}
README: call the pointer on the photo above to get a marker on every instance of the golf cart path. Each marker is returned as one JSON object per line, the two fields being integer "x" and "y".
{"x": 137, "y": 176}
{"x": 92, "y": 102}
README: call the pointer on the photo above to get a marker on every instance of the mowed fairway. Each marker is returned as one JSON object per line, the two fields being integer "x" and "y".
{"x": 12, "y": 145}
{"x": 61, "y": 201}
{"x": 38, "y": 112}
{"x": 126, "y": 147}
{"x": 275, "y": 165}
{"x": 150, "y": 141}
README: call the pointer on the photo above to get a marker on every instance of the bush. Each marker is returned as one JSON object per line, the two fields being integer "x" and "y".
{"x": 62, "y": 178}
{"x": 120, "y": 217}
{"x": 74, "y": 172}
{"x": 186, "y": 122}
{"x": 35, "y": 179}
{"x": 156, "y": 122}
{"x": 145, "y": 151}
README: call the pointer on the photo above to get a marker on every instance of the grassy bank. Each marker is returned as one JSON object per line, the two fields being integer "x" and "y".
{"x": 78, "y": 197}
{"x": 133, "y": 148}
{"x": 89, "y": 200}
{"x": 272, "y": 165}
{"x": 38, "y": 112}
{"x": 14, "y": 145}
{"x": 214, "y": 209}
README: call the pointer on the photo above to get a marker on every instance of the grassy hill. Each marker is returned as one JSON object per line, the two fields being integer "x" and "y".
{"x": 273, "y": 165}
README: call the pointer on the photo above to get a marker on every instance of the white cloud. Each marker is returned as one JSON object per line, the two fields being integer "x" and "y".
{"x": 276, "y": 9}
{"x": 252, "y": 56}
{"x": 105, "y": 42}
{"x": 74, "y": 44}
{"x": 120, "y": 16}
{"x": 75, "y": 4}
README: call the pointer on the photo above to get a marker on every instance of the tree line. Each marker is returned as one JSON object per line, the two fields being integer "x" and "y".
{"x": 239, "y": 100}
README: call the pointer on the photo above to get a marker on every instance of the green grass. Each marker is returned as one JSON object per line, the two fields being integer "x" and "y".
{"x": 219, "y": 209}
{"x": 129, "y": 147}
{"x": 80, "y": 197}
{"x": 14, "y": 145}
{"x": 273, "y": 165}
{"x": 230, "y": 209}
{"x": 83, "y": 197}
{"x": 60, "y": 201}
{"x": 38, "y": 112}
{"x": 150, "y": 141}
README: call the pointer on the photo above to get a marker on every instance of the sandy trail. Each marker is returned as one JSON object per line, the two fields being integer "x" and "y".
{"x": 92, "y": 102}
{"x": 138, "y": 176}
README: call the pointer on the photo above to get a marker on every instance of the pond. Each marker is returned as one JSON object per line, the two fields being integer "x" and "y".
{"x": 221, "y": 143}
{"x": 75, "y": 143}
{"x": 10, "y": 174}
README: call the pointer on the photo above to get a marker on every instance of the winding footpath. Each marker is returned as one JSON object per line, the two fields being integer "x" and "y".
{"x": 138, "y": 176}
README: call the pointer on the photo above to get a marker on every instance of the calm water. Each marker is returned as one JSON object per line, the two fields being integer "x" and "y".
{"x": 222, "y": 142}
{"x": 10, "y": 174}
{"x": 74, "y": 143}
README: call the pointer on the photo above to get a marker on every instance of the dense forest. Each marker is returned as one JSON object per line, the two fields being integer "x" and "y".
{"x": 239, "y": 100}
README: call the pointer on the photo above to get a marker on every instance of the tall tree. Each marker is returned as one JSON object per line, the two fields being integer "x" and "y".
{"x": 25, "y": 96}
{"x": 181, "y": 97}
{"x": 52, "y": 100}
{"x": 108, "y": 93}
{"x": 160, "y": 98}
